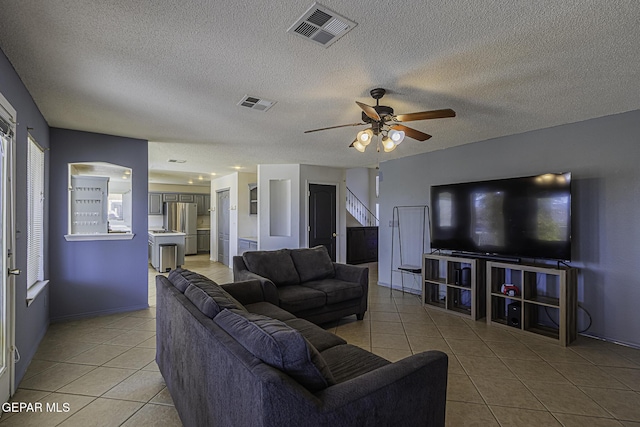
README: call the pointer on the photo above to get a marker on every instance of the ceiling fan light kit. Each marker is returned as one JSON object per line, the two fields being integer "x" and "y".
{"x": 384, "y": 122}
{"x": 365, "y": 136}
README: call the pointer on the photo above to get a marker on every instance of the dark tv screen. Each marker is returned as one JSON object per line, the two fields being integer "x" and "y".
{"x": 528, "y": 217}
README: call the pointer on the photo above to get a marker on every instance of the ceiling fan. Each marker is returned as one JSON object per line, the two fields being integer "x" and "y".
{"x": 384, "y": 122}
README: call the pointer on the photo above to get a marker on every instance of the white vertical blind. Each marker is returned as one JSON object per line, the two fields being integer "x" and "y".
{"x": 35, "y": 213}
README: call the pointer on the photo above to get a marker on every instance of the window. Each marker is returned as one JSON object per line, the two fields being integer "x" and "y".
{"x": 100, "y": 202}
{"x": 35, "y": 213}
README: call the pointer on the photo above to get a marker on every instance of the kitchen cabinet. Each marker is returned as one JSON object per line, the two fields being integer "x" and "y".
{"x": 156, "y": 201}
{"x": 204, "y": 202}
{"x": 204, "y": 240}
{"x": 253, "y": 199}
{"x": 155, "y": 204}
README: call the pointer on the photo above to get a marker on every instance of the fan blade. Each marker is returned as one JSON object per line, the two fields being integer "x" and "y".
{"x": 369, "y": 111}
{"x": 334, "y": 127}
{"x": 412, "y": 133}
{"x": 424, "y": 115}
{"x": 353, "y": 142}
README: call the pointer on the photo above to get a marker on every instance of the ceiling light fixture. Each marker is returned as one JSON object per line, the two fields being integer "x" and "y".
{"x": 364, "y": 137}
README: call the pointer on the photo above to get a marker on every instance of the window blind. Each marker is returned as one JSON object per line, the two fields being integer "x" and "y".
{"x": 35, "y": 213}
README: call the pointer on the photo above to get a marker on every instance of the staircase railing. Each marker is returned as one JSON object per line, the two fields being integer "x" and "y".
{"x": 359, "y": 211}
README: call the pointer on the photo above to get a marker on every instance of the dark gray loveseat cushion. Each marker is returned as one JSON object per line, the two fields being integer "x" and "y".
{"x": 278, "y": 345}
{"x": 312, "y": 263}
{"x": 276, "y": 265}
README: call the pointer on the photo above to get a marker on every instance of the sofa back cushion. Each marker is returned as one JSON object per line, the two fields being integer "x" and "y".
{"x": 278, "y": 345}
{"x": 276, "y": 266}
{"x": 211, "y": 299}
{"x": 181, "y": 278}
{"x": 312, "y": 263}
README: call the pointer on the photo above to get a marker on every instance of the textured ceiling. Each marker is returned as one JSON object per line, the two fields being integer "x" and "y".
{"x": 173, "y": 72}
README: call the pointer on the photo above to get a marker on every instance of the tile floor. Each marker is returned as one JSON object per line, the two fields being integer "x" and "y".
{"x": 104, "y": 368}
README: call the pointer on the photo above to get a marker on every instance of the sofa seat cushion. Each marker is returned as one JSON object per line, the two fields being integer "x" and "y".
{"x": 318, "y": 337}
{"x": 312, "y": 263}
{"x": 211, "y": 298}
{"x": 348, "y": 361}
{"x": 336, "y": 290}
{"x": 276, "y": 266}
{"x": 278, "y": 345}
{"x": 269, "y": 310}
{"x": 296, "y": 298}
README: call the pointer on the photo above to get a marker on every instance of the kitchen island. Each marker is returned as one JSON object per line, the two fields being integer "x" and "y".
{"x": 161, "y": 237}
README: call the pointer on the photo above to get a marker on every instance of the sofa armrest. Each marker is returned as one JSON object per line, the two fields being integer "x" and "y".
{"x": 410, "y": 392}
{"x": 242, "y": 273}
{"x": 245, "y": 291}
{"x": 351, "y": 273}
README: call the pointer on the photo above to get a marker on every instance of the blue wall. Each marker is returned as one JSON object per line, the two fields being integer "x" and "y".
{"x": 30, "y": 322}
{"x": 96, "y": 277}
{"x": 602, "y": 155}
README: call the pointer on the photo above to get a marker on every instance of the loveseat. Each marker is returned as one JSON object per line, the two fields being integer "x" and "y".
{"x": 229, "y": 358}
{"x": 306, "y": 282}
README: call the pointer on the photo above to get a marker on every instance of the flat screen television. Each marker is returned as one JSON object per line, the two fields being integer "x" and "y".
{"x": 527, "y": 217}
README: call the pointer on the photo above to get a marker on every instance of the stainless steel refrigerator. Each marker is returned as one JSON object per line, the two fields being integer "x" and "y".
{"x": 183, "y": 217}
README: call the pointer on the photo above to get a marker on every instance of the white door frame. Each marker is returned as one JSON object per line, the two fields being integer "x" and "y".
{"x": 7, "y": 245}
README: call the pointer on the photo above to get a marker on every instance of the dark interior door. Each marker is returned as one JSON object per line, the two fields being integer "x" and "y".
{"x": 322, "y": 217}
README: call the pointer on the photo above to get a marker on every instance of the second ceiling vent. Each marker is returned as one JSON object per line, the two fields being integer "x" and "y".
{"x": 321, "y": 25}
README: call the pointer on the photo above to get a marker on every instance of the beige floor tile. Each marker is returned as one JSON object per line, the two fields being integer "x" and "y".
{"x": 623, "y": 404}
{"x": 378, "y": 327}
{"x": 506, "y": 392}
{"x": 421, "y": 318}
{"x": 99, "y": 355}
{"x": 469, "y": 414}
{"x": 382, "y": 316}
{"x": 455, "y": 367}
{"x": 37, "y": 366}
{"x": 533, "y": 370}
{"x": 397, "y": 342}
{"x": 567, "y": 399}
{"x": 469, "y": 347}
{"x": 476, "y": 366}
{"x": 128, "y": 322}
{"x": 524, "y": 417}
{"x": 142, "y": 386}
{"x": 147, "y": 325}
{"x": 100, "y": 335}
{"x": 416, "y": 309}
{"x": 512, "y": 350}
{"x": 153, "y": 367}
{"x": 444, "y": 319}
{"x": 150, "y": 343}
{"x": 162, "y": 398}
{"x": 59, "y": 376}
{"x": 136, "y": 358}
{"x": 570, "y": 420}
{"x": 420, "y": 343}
{"x": 98, "y": 381}
{"x": 103, "y": 413}
{"x": 605, "y": 357}
{"x": 391, "y": 354}
{"x": 147, "y": 313}
{"x": 458, "y": 332}
{"x": 154, "y": 416}
{"x": 490, "y": 334}
{"x": 131, "y": 338}
{"x": 628, "y": 376}
{"x": 422, "y": 329}
{"x": 389, "y": 307}
{"x": 588, "y": 375}
{"x": 461, "y": 389}
{"x": 59, "y": 352}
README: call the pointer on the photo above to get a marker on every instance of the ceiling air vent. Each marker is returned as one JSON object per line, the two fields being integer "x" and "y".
{"x": 176, "y": 161}
{"x": 256, "y": 103}
{"x": 321, "y": 25}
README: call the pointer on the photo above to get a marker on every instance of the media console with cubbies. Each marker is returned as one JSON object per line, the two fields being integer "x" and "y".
{"x": 543, "y": 299}
{"x": 454, "y": 284}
